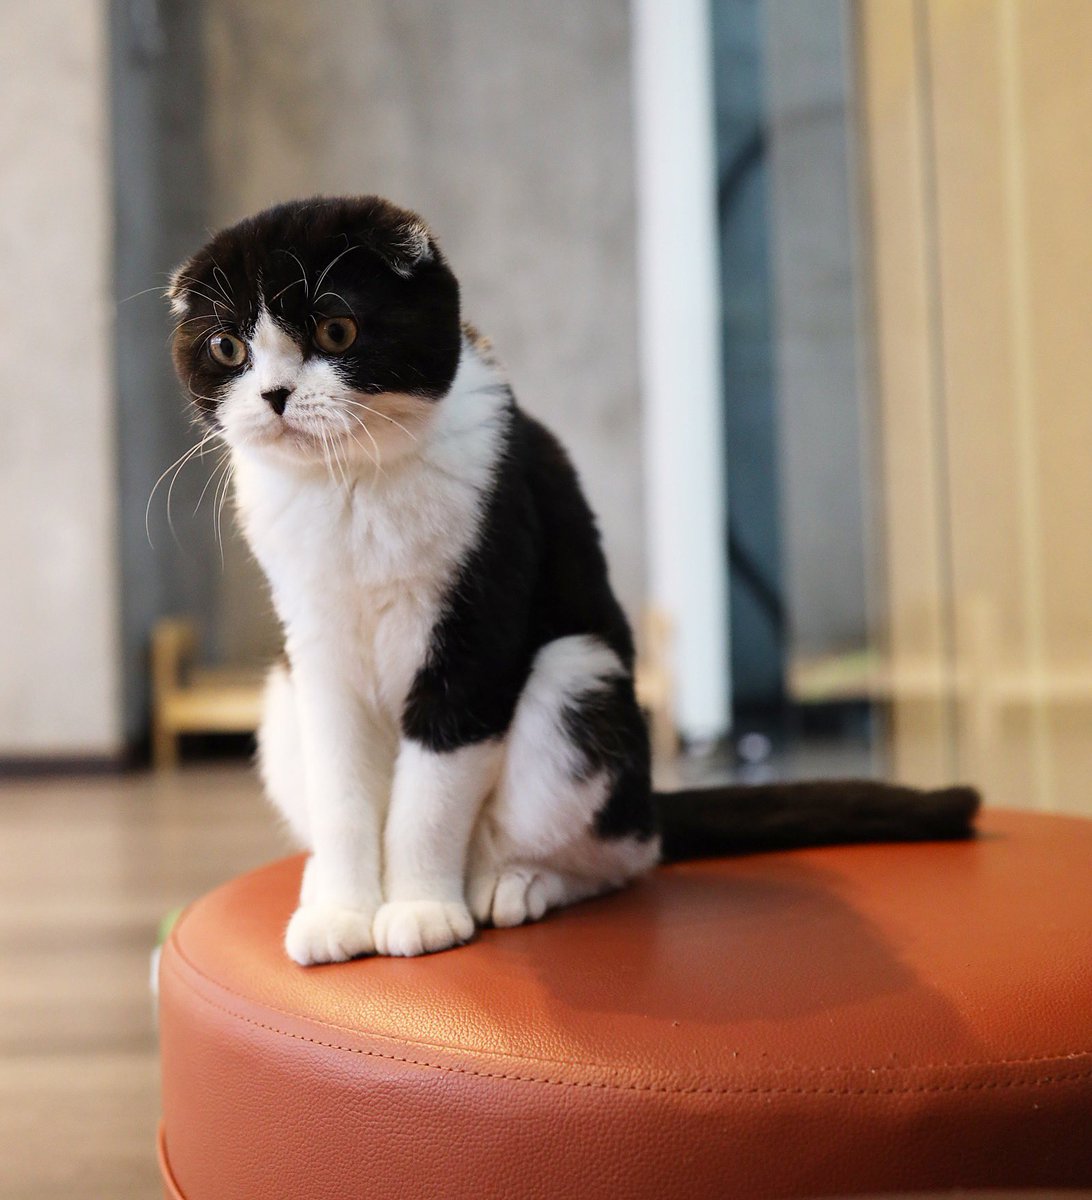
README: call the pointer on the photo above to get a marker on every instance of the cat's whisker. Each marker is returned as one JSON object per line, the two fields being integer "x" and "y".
{"x": 201, "y": 316}
{"x": 343, "y": 467}
{"x": 192, "y": 280}
{"x": 170, "y": 490}
{"x": 216, "y": 310}
{"x": 176, "y": 466}
{"x": 330, "y": 265}
{"x": 303, "y": 275}
{"x": 336, "y": 296}
{"x": 224, "y": 458}
{"x": 339, "y": 468}
{"x": 221, "y": 280}
{"x": 290, "y": 284}
{"x": 333, "y": 463}
{"x": 377, "y": 459}
{"x": 376, "y": 413}
{"x": 197, "y": 395}
{"x": 210, "y": 296}
{"x": 206, "y": 317}
{"x": 226, "y": 482}
{"x": 325, "y": 451}
{"x": 143, "y": 292}
{"x": 190, "y": 321}
{"x": 199, "y": 286}
{"x": 378, "y": 469}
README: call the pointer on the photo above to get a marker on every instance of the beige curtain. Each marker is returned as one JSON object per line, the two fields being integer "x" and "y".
{"x": 976, "y": 179}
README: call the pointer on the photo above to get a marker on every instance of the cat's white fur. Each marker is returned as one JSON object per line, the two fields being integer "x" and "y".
{"x": 360, "y": 520}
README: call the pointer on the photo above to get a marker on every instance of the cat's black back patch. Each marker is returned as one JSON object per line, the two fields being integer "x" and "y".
{"x": 536, "y": 574}
{"x": 481, "y": 648}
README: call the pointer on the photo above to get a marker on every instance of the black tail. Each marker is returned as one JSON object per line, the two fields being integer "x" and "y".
{"x": 781, "y": 816}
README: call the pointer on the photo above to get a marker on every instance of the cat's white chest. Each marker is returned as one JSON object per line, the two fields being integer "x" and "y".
{"x": 359, "y": 574}
{"x": 360, "y": 566}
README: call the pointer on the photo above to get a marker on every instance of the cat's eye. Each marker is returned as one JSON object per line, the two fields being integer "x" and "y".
{"x": 227, "y": 350}
{"x": 335, "y": 334}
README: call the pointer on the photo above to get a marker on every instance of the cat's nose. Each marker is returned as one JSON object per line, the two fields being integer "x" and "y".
{"x": 277, "y": 398}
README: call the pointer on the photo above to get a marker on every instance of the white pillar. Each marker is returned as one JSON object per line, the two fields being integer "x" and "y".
{"x": 680, "y": 351}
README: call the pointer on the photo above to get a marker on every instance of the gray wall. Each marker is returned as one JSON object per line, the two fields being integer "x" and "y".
{"x": 509, "y": 127}
{"x": 59, "y": 685}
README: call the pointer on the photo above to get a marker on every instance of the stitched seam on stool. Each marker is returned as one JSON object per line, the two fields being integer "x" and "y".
{"x": 819, "y": 1068}
{"x": 607, "y": 1085}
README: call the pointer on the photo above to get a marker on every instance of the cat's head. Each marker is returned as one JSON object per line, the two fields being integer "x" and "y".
{"x": 319, "y": 328}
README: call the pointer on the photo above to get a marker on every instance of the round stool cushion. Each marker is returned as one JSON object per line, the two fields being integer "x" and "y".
{"x": 821, "y": 1022}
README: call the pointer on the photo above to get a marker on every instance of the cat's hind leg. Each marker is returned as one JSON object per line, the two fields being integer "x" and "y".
{"x": 515, "y": 892}
{"x": 572, "y": 813}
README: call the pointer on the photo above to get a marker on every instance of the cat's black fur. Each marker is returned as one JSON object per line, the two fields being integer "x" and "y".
{"x": 538, "y": 573}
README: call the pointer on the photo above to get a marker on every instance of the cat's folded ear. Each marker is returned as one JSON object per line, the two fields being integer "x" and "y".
{"x": 177, "y": 292}
{"x": 403, "y": 246}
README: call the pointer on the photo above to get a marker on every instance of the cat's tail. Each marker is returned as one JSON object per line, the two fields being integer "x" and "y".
{"x": 780, "y": 816}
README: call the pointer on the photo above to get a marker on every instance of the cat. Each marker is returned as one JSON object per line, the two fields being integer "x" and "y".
{"x": 454, "y": 734}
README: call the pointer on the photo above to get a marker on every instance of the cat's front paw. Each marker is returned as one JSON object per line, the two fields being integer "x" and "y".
{"x": 409, "y": 927}
{"x": 326, "y": 933}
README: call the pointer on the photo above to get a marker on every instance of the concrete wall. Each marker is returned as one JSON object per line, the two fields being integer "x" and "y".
{"x": 160, "y": 212}
{"x": 59, "y": 679}
{"x": 509, "y": 127}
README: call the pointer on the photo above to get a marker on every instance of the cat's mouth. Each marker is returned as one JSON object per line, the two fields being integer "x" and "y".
{"x": 282, "y": 434}
{"x": 350, "y": 429}
{"x": 313, "y": 440}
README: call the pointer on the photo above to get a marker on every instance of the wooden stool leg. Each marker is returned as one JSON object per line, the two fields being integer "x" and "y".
{"x": 173, "y": 642}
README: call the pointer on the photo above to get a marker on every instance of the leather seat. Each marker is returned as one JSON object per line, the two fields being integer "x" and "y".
{"x": 821, "y": 1022}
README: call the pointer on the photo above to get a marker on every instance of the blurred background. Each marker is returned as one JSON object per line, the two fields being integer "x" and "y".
{"x": 802, "y": 284}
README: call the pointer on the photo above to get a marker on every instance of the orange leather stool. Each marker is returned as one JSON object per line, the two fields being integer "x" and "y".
{"x": 823, "y": 1022}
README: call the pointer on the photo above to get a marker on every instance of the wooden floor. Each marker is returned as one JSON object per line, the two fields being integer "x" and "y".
{"x": 87, "y": 869}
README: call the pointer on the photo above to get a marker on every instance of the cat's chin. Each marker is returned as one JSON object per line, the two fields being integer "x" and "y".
{"x": 265, "y": 437}
{"x": 280, "y": 443}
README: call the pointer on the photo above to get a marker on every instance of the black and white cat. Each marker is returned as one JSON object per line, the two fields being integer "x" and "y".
{"x": 455, "y": 736}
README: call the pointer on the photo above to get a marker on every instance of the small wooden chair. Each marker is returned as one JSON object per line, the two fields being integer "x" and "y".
{"x": 191, "y": 699}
